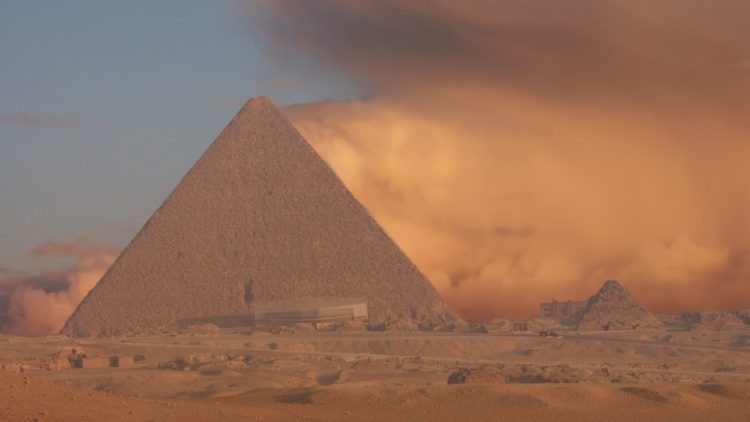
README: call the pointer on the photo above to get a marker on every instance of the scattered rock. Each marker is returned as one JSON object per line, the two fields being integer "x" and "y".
{"x": 379, "y": 326}
{"x": 458, "y": 377}
{"x": 645, "y": 393}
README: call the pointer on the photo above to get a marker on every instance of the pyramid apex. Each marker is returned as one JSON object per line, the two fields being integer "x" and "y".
{"x": 256, "y": 102}
{"x": 612, "y": 286}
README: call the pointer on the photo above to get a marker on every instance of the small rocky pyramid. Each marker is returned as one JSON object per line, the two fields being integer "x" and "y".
{"x": 613, "y": 308}
{"x": 259, "y": 218}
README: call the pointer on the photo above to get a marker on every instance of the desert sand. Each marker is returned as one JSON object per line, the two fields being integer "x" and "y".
{"x": 206, "y": 373}
{"x": 24, "y": 398}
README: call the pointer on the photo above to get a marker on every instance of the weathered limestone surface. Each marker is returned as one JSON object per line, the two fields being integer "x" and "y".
{"x": 260, "y": 217}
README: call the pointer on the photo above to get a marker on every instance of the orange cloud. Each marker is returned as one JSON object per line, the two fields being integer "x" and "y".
{"x": 520, "y": 151}
{"x": 501, "y": 217}
{"x": 35, "y": 305}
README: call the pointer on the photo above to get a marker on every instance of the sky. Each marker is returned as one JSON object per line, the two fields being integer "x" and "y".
{"x": 105, "y": 105}
{"x": 515, "y": 150}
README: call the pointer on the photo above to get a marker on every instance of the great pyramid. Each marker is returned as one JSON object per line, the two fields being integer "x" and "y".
{"x": 613, "y": 308}
{"x": 260, "y": 217}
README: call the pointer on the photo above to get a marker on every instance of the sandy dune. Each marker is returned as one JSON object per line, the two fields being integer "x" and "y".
{"x": 637, "y": 375}
{"x": 26, "y": 398}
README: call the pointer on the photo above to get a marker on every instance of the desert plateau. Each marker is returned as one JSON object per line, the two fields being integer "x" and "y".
{"x": 332, "y": 372}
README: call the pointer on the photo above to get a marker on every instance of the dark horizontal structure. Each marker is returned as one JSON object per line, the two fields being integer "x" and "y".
{"x": 311, "y": 310}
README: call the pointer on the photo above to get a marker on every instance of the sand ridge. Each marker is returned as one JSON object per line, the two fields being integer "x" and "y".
{"x": 26, "y": 398}
{"x": 205, "y": 373}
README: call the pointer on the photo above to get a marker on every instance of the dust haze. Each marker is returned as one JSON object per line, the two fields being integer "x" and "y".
{"x": 39, "y": 304}
{"x": 519, "y": 151}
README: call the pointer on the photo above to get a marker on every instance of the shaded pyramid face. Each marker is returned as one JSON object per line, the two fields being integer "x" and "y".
{"x": 260, "y": 217}
{"x": 613, "y": 308}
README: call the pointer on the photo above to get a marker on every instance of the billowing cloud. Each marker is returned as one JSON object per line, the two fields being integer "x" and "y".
{"x": 39, "y": 304}
{"x": 571, "y": 52}
{"x": 524, "y": 150}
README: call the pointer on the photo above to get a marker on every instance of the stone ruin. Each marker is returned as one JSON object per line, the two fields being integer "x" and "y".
{"x": 76, "y": 358}
{"x": 613, "y": 308}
